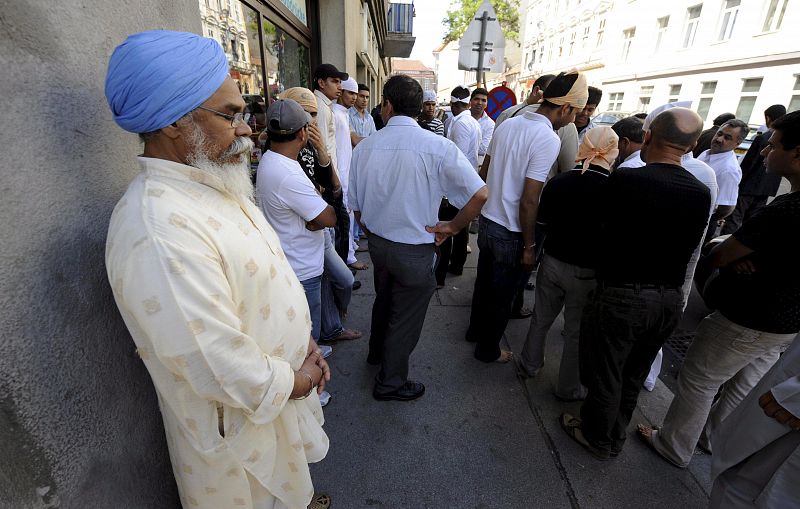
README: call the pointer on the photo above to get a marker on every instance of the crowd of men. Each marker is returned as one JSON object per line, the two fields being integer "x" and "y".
{"x": 233, "y": 292}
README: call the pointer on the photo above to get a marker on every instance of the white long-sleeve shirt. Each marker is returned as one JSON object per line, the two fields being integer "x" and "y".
{"x": 465, "y": 132}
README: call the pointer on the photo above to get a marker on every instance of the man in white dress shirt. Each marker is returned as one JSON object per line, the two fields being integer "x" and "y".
{"x": 217, "y": 314}
{"x": 477, "y": 106}
{"x": 631, "y": 136}
{"x": 522, "y": 153}
{"x": 722, "y": 160}
{"x": 463, "y": 129}
{"x": 397, "y": 181}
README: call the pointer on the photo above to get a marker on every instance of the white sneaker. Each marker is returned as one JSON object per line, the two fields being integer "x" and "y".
{"x": 324, "y": 398}
{"x": 326, "y": 351}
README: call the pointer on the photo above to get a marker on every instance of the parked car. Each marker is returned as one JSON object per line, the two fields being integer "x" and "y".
{"x": 742, "y": 149}
{"x": 610, "y": 118}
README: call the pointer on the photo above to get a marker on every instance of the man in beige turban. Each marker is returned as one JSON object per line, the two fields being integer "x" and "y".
{"x": 569, "y": 216}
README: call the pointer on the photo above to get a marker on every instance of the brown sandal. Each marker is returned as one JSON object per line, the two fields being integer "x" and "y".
{"x": 320, "y": 501}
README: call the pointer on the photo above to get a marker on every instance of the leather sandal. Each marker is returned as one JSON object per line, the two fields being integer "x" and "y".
{"x": 320, "y": 501}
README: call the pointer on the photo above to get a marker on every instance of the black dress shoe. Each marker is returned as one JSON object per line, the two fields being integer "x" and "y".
{"x": 410, "y": 390}
{"x": 374, "y": 360}
{"x": 356, "y": 285}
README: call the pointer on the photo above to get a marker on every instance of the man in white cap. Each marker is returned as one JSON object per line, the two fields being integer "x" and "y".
{"x": 427, "y": 119}
{"x": 344, "y": 153}
{"x": 218, "y": 316}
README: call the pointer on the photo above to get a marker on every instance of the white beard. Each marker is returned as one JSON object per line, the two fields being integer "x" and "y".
{"x": 235, "y": 176}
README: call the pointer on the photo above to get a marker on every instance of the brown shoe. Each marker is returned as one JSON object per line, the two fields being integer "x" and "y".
{"x": 320, "y": 501}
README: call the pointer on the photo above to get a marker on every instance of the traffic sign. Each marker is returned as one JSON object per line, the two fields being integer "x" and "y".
{"x": 500, "y": 99}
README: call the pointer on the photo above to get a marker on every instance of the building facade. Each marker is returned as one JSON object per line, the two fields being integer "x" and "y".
{"x": 722, "y": 55}
{"x": 417, "y": 70}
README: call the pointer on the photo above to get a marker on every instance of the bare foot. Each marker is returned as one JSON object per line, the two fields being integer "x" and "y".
{"x": 505, "y": 356}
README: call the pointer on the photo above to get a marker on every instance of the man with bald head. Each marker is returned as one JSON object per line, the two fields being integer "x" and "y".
{"x": 638, "y": 300}
{"x": 218, "y": 316}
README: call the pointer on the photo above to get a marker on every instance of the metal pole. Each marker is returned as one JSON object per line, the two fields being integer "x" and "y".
{"x": 481, "y": 48}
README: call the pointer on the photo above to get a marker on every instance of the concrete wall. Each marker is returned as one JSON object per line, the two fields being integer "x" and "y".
{"x": 79, "y": 421}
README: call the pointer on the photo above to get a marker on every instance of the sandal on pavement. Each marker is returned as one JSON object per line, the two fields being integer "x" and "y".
{"x": 505, "y": 356}
{"x": 572, "y": 427}
{"x": 646, "y": 434}
{"x": 346, "y": 335}
{"x": 320, "y": 501}
{"x": 359, "y": 266}
{"x": 522, "y": 313}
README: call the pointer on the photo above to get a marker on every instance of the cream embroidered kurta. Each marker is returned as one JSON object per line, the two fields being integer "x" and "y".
{"x": 221, "y": 322}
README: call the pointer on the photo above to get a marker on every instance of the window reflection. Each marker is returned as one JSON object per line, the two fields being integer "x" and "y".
{"x": 286, "y": 60}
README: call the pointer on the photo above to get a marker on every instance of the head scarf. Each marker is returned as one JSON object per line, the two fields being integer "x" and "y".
{"x": 156, "y": 77}
{"x": 577, "y": 96}
{"x": 664, "y": 107}
{"x": 429, "y": 96}
{"x": 599, "y": 146}
{"x": 302, "y": 96}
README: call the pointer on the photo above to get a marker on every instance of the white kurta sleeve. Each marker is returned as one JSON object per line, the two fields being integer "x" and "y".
{"x": 178, "y": 293}
{"x": 787, "y": 394}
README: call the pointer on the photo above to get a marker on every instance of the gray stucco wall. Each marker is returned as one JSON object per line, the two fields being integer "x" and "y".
{"x": 79, "y": 421}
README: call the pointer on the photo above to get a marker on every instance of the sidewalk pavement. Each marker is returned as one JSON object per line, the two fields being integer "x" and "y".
{"x": 480, "y": 437}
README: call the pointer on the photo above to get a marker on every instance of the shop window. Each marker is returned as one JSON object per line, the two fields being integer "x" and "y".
{"x": 286, "y": 59}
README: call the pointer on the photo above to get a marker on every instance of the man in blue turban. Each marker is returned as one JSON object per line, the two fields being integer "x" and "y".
{"x": 217, "y": 314}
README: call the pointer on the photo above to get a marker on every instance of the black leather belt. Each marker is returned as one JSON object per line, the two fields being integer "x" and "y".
{"x": 636, "y": 286}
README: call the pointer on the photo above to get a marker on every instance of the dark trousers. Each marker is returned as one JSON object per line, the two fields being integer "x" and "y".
{"x": 404, "y": 285}
{"x": 746, "y": 206}
{"x": 453, "y": 251}
{"x": 499, "y": 277}
{"x": 622, "y": 330}
{"x": 342, "y": 228}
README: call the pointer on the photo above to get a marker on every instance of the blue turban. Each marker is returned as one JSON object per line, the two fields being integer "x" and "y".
{"x": 156, "y": 77}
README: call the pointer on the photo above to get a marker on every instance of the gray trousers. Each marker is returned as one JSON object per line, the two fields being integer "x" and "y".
{"x": 404, "y": 285}
{"x": 559, "y": 285}
{"x": 723, "y": 352}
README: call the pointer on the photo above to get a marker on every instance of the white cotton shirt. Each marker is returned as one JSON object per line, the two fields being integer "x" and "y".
{"x": 399, "y": 175}
{"x": 728, "y": 173}
{"x": 487, "y": 129}
{"x": 220, "y": 322}
{"x": 465, "y": 132}
{"x": 344, "y": 146}
{"x": 288, "y": 199}
{"x": 522, "y": 147}
{"x": 326, "y": 124}
{"x": 634, "y": 161}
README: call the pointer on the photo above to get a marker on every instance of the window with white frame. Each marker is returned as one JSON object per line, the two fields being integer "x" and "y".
{"x": 773, "y": 17}
{"x": 571, "y": 43}
{"x": 615, "y": 101}
{"x": 750, "y": 89}
{"x": 585, "y": 41}
{"x": 727, "y": 22}
{"x": 662, "y": 24}
{"x": 794, "y": 103}
{"x": 690, "y": 27}
{"x": 706, "y": 98}
{"x": 600, "y": 29}
{"x": 645, "y": 94}
{"x": 627, "y": 40}
{"x": 674, "y": 93}
{"x": 561, "y": 47}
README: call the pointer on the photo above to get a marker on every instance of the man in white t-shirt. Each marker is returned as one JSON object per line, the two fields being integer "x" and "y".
{"x": 291, "y": 204}
{"x": 722, "y": 160}
{"x": 631, "y": 136}
{"x": 522, "y": 152}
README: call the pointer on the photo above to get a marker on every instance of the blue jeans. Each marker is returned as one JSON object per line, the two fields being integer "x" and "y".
{"x": 337, "y": 288}
{"x": 499, "y": 277}
{"x": 312, "y": 288}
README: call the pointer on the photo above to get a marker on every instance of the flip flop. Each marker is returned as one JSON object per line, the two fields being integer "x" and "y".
{"x": 572, "y": 427}
{"x": 648, "y": 441}
{"x": 359, "y": 266}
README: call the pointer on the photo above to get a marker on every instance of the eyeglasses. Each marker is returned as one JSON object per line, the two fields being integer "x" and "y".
{"x": 236, "y": 119}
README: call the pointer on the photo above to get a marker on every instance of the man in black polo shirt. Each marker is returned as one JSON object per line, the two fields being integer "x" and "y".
{"x": 638, "y": 300}
{"x": 757, "y": 296}
{"x": 569, "y": 217}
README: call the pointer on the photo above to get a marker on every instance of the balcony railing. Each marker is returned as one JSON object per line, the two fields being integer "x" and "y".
{"x": 401, "y": 18}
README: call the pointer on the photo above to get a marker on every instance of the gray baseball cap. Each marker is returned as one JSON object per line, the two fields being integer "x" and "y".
{"x": 285, "y": 116}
